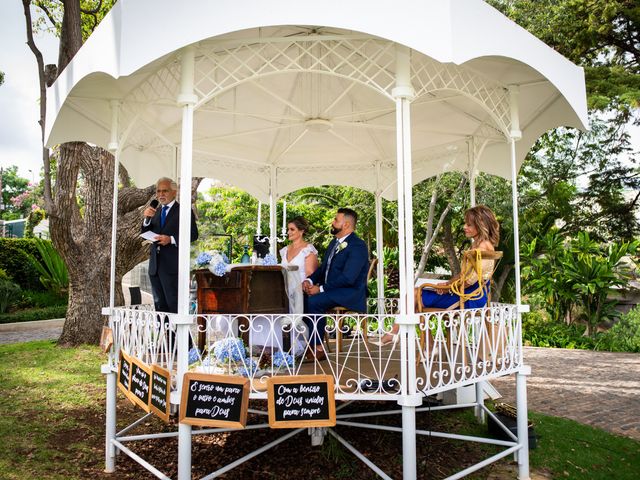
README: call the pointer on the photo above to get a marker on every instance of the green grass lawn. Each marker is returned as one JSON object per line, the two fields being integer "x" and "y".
{"x": 571, "y": 450}
{"x": 51, "y": 399}
{"x": 52, "y": 423}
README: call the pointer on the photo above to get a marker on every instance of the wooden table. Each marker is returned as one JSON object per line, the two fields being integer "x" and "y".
{"x": 249, "y": 289}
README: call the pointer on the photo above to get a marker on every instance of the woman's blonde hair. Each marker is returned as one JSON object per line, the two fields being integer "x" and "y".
{"x": 485, "y": 222}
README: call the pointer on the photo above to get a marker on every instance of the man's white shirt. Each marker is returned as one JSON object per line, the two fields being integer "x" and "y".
{"x": 147, "y": 221}
{"x": 337, "y": 249}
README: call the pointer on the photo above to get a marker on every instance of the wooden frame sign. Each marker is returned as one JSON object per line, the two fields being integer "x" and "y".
{"x": 124, "y": 373}
{"x": 140, "y": 384}
{"x": 301, "y": 401}
{"x": 159, "y": 402}
{"x": 214, "y": 400}
{"x": 106, "y": 339}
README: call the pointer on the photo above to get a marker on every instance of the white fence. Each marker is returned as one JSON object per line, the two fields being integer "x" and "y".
{"x": 450, "y": 349}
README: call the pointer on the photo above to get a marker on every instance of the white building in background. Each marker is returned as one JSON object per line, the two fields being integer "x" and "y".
{"x": 42, "y": 229}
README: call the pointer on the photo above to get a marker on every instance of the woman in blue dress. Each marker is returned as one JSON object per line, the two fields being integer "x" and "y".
{"x": 481, "y": 226}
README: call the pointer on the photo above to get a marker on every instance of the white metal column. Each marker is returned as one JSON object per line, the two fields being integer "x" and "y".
{"x": 472, "y": 172}
{"x": 107, "y": 369}
{"x": 273, "y": 197}
{"x": 522, "y": 422}
{"x": 479, "y": 386}
{"x": 515, "y": 134}
{"x": 186, "y": 99}
{"x": 403, "y": 94}
{"x": 379, "y": 242}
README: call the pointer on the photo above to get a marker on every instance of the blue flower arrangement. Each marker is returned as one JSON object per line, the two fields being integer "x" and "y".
{"x": 249, "y": 367}
{"x": 229, "y": 349}
{"x": 282, "y": 359}
{"x": 215, "y": 261}
{"x": 219, "y": 269}
{"x": 194, "y": 355}
{"x": 269, "y": 259}
{"x": 203, "y": 259}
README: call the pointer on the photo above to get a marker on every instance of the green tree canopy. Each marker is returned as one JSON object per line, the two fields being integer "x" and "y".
{"x": 14, "y": 192}
{"x": 603, "y": 36}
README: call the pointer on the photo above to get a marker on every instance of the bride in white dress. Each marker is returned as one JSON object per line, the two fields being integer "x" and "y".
{"x": 301, "y": 254}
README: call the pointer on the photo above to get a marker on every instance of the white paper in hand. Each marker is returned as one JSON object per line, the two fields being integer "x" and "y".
{"x": 150, "y": 236}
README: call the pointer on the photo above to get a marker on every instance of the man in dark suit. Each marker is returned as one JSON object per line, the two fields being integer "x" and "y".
{"x": 163, "y": 260}
{"x": 341, "y": 280}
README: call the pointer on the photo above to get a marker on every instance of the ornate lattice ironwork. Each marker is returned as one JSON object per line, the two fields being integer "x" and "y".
{"x": 356, "y": 58}
{"x": 452, "y": 348}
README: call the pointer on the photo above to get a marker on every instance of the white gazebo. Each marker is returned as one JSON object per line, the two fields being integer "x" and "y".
{"x": 275, "y": 96}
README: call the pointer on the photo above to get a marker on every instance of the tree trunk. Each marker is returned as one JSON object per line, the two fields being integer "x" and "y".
{"x": 431, "y": 235}
{"x": 83, "y": 236}
{"x": 499, "y": 283}
{"x": 70, "y": 33}
{"x": 449, "y": 247}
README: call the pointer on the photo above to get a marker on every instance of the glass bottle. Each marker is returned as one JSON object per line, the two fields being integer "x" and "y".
{"x": 245, "y": 255}
{"x": 193, "y": 295}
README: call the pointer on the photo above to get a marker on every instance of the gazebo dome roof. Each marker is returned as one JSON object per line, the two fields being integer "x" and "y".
{"x": 302, "y": 91}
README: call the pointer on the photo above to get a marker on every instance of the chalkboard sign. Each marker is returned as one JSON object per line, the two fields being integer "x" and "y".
{"x": 301, "y": 401}
{"x": 124, "y": 373}
{"x": 214, "y": 400}
{"x": 160, "y": 390}
{"x": 140, "y": 383}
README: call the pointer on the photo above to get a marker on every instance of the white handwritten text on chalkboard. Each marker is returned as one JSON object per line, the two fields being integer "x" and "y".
{"x": 215, "y": 396}
{"x": 300, "y": 401}
{"x": 159, "y": 391}
{"x": 214, "y": 400}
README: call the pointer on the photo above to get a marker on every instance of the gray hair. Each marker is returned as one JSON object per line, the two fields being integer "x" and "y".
{"x": 174, "y": 185}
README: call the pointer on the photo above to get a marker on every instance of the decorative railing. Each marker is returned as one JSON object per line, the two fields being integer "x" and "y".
{"x": 460, "y": 347}
{"x": 451, "y": 348}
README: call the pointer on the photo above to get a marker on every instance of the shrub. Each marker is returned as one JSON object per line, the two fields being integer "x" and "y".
{"x": 9, "y": 293}
{"x": 32, "y": 298}
{"x": 3, "y": 275}
{"x": 34, "y": 218}
{"x": 537, "y": 331}
{"x": 14, "y": 260}
{"x": 51, "y": 266}
{"x": 577, "y": 275}
{"x": 34, "y": 314}
{"x": 624, "y": 336}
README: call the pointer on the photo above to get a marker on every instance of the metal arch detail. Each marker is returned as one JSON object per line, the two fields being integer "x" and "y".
{"x": 429, "y": 76}
{"x": 366, "y": 60}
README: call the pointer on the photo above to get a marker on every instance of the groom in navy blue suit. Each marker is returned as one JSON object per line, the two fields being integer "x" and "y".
{"x": 341, "y": 280}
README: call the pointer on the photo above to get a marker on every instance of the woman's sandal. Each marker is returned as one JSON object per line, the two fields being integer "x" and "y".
{"x": 386, "y": 339}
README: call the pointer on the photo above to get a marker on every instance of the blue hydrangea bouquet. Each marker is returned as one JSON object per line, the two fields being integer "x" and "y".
{"x": 230, "y": 356}
{"x": 216, "y": 262}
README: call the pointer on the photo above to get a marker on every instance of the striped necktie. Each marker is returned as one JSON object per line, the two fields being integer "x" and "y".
{"x": 331, "y": 254}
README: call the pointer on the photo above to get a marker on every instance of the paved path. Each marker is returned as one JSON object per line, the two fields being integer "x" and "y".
{"x": 601, "y": 389}
{"x": 28, "y": 331}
